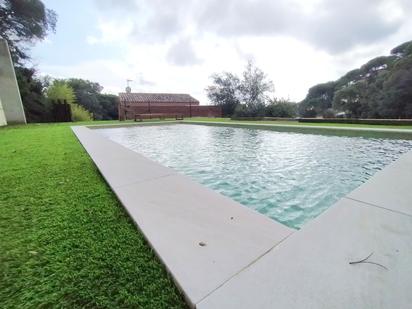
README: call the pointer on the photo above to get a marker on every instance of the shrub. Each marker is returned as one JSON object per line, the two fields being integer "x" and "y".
{"x": 281, "y": 108}
{"x": 309, "y": 113}
{"x": 79, "y": 113}
{"x": 243, "y": 110}
{"x": 329, "y": 113}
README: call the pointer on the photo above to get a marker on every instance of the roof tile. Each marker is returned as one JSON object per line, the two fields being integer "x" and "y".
{"x": 156, "y": 97}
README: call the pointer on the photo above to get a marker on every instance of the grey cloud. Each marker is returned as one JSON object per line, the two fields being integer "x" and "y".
{"x": 335, "y": 26}
{"x": 159, "y": 28}
{"x": 244, "y": 17}
{"x": 348, "y": 23}
{"x": 161, "y": 21}
{"x": 182, "y": 53}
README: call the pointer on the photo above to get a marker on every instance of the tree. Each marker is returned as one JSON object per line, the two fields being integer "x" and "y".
{"x": 397, "y": 89}
{"x": 244, "y": 97}
{"x": 23, "y": 22}
{"x": 109, "y": 104}
{"x": 254, "y": 90}
{"x": 403, "y": 50}
{"x": 224, "y": 92}
{"x": 381, "y": 88}
{"x": 59, "y": 90}
{"x": 318, "y": 99}
{"x": 87, "y": 95}
{"x": 31, "y": 88}
{"x": 349, "y": 99}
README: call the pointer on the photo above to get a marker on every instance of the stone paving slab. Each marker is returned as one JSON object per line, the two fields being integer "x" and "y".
{"x": 123, "y": 165}
{"x": 311, "y": 268}
{"x": 177, "y": 215}
{"x": 390, "y": 188}
{"x": 202, "y": 237}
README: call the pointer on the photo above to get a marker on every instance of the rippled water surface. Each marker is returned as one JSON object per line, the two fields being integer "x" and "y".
{"x": 290, "y": 177}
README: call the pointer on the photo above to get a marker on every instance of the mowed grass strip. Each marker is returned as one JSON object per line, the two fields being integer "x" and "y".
{"x": 65, "y": 241}
{"x": 305, "y": 124}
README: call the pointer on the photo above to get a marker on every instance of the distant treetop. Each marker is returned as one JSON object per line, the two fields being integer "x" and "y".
{"x": 381, "y": 88}
{"x": 22, "y": 22}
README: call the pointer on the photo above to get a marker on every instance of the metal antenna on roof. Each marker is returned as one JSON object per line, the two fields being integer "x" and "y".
{"x": 128, "y": 89}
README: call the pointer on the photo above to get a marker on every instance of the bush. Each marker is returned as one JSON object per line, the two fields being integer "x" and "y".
{"x": 329, "y": 113}
{"x": 309, "y": 113}
{"x": 281, "y": 108}
{"x": 242, "y": 110}
{"x": 247, "y": 118}
{"x": 79, "y": 113}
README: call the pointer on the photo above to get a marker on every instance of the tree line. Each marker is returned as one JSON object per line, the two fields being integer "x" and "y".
{"x": 84, "y": 97}
{"x": 250, "y": 95}
{"x": 381, "y": 88}
{"x": 24, "y": 22}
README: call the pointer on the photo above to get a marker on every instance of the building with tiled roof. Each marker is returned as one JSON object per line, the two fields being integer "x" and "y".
{"x": 135, "y": 103}
{"x": 157, "y": 98}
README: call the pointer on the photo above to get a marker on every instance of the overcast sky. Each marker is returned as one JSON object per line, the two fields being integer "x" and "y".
{"x": 175, "y": 45}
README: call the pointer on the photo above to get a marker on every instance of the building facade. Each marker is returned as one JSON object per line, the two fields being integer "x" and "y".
{"x": 133, "y": 103}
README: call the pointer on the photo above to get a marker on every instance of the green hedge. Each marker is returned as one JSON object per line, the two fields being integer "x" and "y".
{"x": 248, "y": 118}
{"x": 399, "y": 122}
{"x": 264, "y": 118}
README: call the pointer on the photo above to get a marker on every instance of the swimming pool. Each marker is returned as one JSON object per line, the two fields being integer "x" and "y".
{"x": 290, "y": 177}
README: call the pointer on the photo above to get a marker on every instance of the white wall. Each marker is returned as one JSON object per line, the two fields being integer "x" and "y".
{"x": 9, "y": 90}
{"x": 3, "y": 120}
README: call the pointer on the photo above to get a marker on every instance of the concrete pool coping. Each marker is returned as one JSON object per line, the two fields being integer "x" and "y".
{"x": 351, "y": 131}
{"x": 224, "y": 255}
{"x": 306, "y": 129}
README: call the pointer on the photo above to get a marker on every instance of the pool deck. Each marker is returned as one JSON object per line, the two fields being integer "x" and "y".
{"x": 301, "y": 128}
{"x": 224, "y": 255}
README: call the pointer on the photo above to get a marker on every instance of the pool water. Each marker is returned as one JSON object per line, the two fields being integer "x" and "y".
{"x": 290, "y": 177}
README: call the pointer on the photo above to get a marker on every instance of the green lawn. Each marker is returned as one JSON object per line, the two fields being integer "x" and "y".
{"x": 65, "y": 241}
{"x": 296, "y": 123}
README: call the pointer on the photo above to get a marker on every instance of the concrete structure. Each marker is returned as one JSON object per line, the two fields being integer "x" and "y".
{"x": 169, "y": 103}
{"x": 9, "y": 90}
{"x": 3, "y": 120}
{"x": 224, "y": 255}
